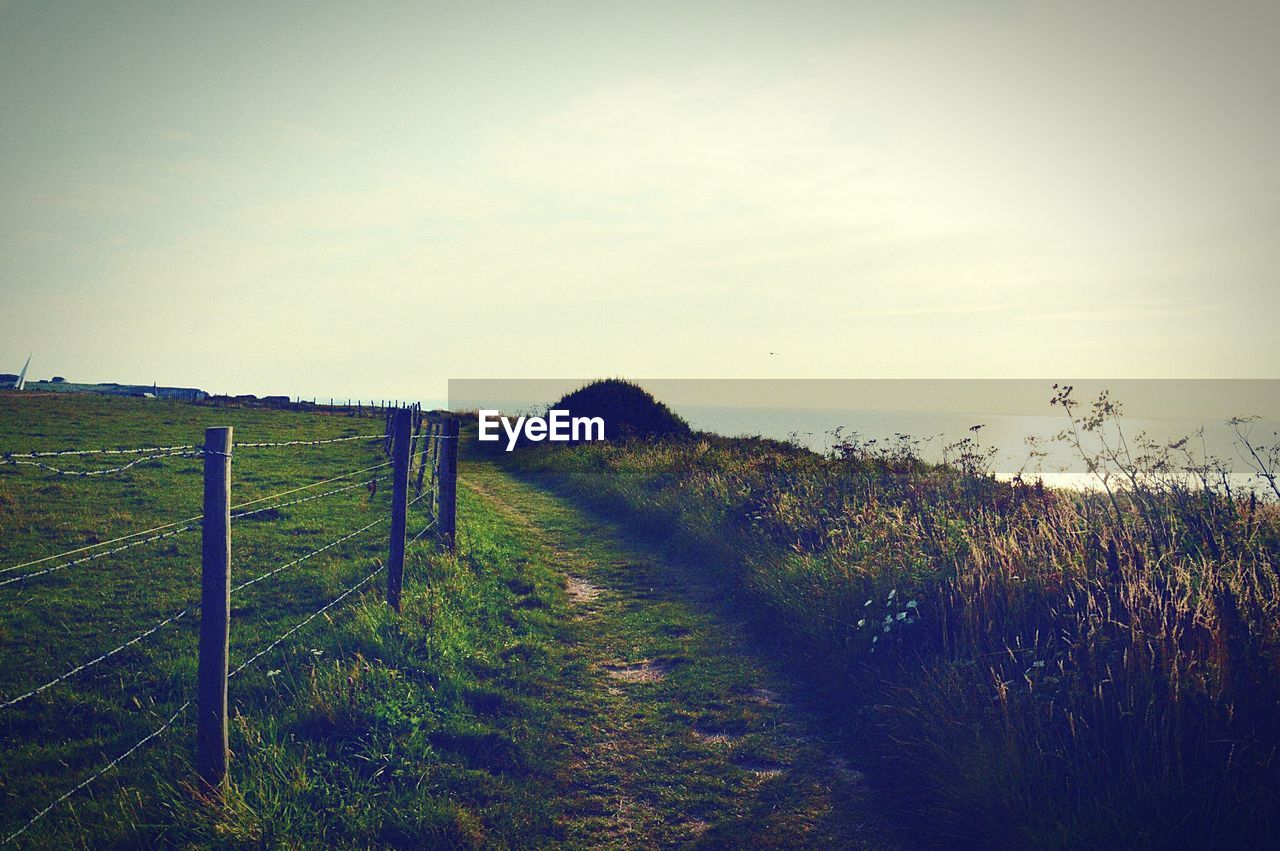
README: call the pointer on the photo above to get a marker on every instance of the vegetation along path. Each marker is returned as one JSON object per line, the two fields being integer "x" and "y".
{"x": 675, "y": 732}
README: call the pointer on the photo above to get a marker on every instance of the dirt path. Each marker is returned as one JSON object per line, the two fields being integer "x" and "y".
{"x": 675, "y": 733}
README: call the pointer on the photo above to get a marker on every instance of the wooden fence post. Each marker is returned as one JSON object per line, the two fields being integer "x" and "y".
{"x": 215, "y": 612}
{"x": 447, "y": 480}
{"x": 428, "y": 432}
{"x": 400, "y": 447}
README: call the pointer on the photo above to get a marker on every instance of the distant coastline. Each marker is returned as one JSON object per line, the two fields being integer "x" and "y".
{"x": 111, "y": 388}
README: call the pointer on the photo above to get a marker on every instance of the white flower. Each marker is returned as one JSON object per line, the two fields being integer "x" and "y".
{"x": 911, "y": 605}
{"x": 862, "y": 623}
{"x": 902, "y": 616}
{"x": 274, "y": 672}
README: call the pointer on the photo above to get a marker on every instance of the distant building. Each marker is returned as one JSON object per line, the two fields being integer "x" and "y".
{"x": 179, "y": 394}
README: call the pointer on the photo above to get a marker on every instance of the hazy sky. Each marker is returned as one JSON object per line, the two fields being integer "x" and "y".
{"x": 370, "y": 198}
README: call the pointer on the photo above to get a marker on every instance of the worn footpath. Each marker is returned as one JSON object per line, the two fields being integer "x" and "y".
{"x": 674, "y": 731}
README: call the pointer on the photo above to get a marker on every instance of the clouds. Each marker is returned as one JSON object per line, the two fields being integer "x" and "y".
{"x": 1088, "y": 185}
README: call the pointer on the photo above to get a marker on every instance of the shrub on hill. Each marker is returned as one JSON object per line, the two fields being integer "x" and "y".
{"x": 628, "y": 410}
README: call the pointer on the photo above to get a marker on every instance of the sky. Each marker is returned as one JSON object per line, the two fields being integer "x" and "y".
{"x": 368, "y": 199}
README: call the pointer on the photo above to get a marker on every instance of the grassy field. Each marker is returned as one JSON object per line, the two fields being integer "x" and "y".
{"x": 554, "y": 683}
{"x": 700, "y": 642}
{"x": 341, "y": 721}
{"x": 1021, "y": 667}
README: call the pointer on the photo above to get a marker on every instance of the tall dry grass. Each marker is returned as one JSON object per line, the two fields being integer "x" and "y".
{"x": 1027, "y": 667}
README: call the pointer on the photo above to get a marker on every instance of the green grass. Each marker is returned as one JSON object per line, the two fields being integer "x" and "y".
{"x": 502, "y": 708}
{"x": 678, "y": 729}
{"x": 336, "y": 735}
{"x": 1016, "y": 667}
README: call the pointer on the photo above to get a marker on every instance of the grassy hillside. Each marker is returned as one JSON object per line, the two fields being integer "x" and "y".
{"x": 363, "y": 729}
{"x": 551, "y": 684}
{"x": 1024, "y": 667}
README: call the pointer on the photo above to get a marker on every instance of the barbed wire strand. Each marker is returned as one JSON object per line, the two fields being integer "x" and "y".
{"x": 43, "y": 559}
{"x": 312, "y": 485}
{"x": 108, "y": 767}
{"x": 311, "y": 554}
{"x": 190, "y": 520}
{"x": 143, "y": 451}
{"x": 180, "y": 615}
{"x": 168, "y": 450}
{"x": 278, "y": 444}
{"x": 98, "y": 555}
{"x": 243, "y": 514}
{"x": 424, "y": 531}
{"x": 326, "y": 607}
{"x": 102, "y": 658}
{"x": 105, "y": 472}
{"x": 186, "y": 612}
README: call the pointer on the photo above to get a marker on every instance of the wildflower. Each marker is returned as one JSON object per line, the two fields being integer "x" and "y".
{"x": 862, "y": 622}
{"x": 893, "y": 594}
{"x": 274, "y": 672}
{"x": 868, "y": 603}
{"x": 902, "y": 616}
{"x": 912, "y": 605}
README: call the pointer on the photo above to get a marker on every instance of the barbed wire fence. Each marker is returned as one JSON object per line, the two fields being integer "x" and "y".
{"x": 409, "y": 435}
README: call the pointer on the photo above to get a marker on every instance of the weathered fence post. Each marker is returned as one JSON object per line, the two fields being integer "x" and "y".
{"x": 447, "y": 480}
{"x": 428, "y": 432}
{"x": 215, "y": 612}
{"x": 400, "y": 447}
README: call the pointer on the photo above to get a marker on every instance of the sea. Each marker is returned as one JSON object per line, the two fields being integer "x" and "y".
{"x": 1013, "y": 420}
{"x": 1030, "y": 446}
